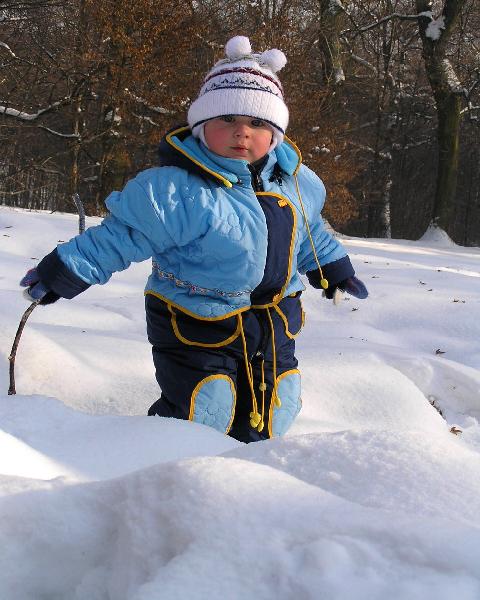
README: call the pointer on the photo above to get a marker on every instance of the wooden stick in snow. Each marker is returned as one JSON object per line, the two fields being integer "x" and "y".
{"x": 13, "y": 353}
{"x": 81, "y": 213}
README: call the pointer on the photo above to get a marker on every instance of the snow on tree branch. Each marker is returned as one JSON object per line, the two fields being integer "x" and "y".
{"x": 435, "y": 28}
{"x": 363, "y": 62}
{"x": 146, "y": 119}
{"x": 452, "y": 80}
{"x": 335, "y": 7}
{"x": 24, "y": 116}
{"x": 368, "y": 65}
{"x": 8, "y": 49}
{"x": 385, "y": 155}
{"x": 59, "y": 134}
{"x": 140, "y": 100}
{"x": 470, "y": 107}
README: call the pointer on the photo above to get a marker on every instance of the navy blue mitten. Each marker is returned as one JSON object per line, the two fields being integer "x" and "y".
{"x": 36, "y": 290}
{"x": 352, "y": 286}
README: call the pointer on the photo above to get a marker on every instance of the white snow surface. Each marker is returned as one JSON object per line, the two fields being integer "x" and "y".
{"x": 369, "y": 496}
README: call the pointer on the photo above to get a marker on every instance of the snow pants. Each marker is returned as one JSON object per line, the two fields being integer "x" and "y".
{"x": 238, "y": 375}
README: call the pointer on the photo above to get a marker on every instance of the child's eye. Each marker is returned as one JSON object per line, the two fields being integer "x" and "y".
{"x": 258, "y": 123}
{"x": 228, "y": 118}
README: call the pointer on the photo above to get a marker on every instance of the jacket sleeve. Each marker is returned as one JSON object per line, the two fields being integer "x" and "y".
{"x": 333, "y": 259}
{"x": 123, "y": 237}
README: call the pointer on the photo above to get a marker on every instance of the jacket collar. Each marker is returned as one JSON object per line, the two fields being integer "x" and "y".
{"x": 180, "y": 148}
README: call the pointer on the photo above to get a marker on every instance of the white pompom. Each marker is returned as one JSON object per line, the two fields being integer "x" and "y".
{"x": 274, "y": 58}
{"x": 237, "y": 47}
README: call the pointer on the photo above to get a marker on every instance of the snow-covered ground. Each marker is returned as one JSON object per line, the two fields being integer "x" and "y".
{"x": 369, "y": 496}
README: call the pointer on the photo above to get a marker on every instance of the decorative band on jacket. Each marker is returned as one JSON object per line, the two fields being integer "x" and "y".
{"x": 195, "y": 289}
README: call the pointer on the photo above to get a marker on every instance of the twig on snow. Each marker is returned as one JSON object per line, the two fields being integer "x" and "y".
{"x": 13, "y": 353}
{"x": 81, "y": 213}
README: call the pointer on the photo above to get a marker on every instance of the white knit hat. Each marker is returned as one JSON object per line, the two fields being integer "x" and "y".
{"x": 243, "y": 84}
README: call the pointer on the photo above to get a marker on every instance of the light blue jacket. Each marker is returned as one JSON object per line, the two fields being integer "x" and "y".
{"x": 207, "y": 238}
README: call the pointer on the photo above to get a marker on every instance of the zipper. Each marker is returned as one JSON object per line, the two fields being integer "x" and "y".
{"x": 257, "y": 182}
{"x": 255, "y": 170}
{"x": 262, "y": 346}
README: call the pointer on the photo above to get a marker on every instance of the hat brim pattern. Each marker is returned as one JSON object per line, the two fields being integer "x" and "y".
{"x": 245, "y": 101}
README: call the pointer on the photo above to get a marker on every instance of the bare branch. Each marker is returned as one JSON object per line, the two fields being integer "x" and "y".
{"x": 23, "y": 116}
{"x": 11, "y": 390}
{"x": 8, "y": 49}
{"x": 81, "y": 213}
{"x": 385, "y": 19}
{"x": 380, "y": 153}
{"x": 62, "y": 135}
{"x": 147, "y": 119}
{"x": 157, "y": 109}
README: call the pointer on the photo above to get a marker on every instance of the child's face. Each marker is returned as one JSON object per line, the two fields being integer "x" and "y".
{"x": 238, "y": 137}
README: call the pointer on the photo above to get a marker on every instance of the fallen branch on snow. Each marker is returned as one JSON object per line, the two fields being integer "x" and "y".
{"x": 13, "y": 353}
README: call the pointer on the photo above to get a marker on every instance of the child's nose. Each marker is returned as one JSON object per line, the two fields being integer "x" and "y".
{"x": 242, "y": 129}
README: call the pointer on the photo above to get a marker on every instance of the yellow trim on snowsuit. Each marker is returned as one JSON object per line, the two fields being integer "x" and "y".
{"x": 188, "y": 342}
{"x": 195, "y": 315}
{"x": 169, "y": 140}
{"x": 297, "y": 150}
{"x": 198, "y": 388}
{"x": 281, "y": 314}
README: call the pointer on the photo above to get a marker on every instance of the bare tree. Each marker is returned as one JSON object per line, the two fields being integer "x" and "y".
{"x": 88, "y": 88}
{"x": 436, "y": 34}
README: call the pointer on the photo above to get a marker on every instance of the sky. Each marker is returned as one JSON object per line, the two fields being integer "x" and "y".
{"x": 369, "y": 495}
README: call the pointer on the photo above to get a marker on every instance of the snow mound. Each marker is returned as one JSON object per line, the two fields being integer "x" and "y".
{"x": 90, "y": 447}
{"x": 368, "y": 497}
{"x": 419, "y": 472}
{"x": 438, "y": 237}
{"x": 18, "y": 458}
{"x": 223, "y": 527}
{"x": 358, "y": 390}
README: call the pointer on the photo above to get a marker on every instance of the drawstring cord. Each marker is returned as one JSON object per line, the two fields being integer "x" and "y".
{"x": 275, "y": 397}
{"x": 255, "y": 416}
{"x": 262, "y": 387}
{"x": 257, "y": 419}
{"x": 323, "y": 281}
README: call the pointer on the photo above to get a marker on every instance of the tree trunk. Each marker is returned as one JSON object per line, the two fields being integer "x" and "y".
{"x": 448, "y": 153}
{"x": 447, "y": 91}
{"x": 331, "y": 23}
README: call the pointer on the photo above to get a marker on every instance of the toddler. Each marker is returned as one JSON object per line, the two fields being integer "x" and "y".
{"x": 230, "y": 219}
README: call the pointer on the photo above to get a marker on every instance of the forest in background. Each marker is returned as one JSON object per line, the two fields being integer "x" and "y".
{"x": 384, "y": 100}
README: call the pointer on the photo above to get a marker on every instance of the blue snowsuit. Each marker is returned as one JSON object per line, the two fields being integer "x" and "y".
{"x": 227, "y": 242}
